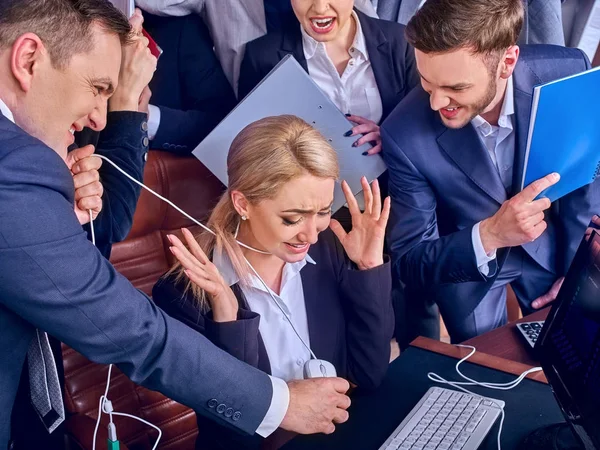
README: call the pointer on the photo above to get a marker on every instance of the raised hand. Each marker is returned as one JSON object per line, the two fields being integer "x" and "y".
{"x": 364, "y": 243}
{"x": 137, "y": 68}
{"x": 316, "y": 405}
{"x": 520, "y": 219}
{"x": 370, "y": 133}
{"x": 86, "y": 180}
{"x": 204, "y": 274}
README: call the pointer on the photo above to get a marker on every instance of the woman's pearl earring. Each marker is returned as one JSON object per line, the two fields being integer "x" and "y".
{"x": 244, "y": 217}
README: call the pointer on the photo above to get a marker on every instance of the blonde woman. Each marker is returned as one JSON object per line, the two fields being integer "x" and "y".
{"x": 330, "y": 291}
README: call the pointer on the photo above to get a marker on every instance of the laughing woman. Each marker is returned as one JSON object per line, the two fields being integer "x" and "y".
{"x": 315, "y": 290}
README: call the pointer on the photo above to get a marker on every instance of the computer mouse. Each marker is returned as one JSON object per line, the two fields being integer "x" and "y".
{"x": 319, "y": 368}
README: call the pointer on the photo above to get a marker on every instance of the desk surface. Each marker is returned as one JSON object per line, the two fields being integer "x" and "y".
{"x": 374, "y": 415}
{"x": 502, "y": 349}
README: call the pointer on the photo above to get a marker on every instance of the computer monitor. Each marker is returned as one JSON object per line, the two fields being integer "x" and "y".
{"x": 569, "y": 345}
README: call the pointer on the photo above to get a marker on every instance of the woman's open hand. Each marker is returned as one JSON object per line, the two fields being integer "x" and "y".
{"x": 204, "y": 274}
{"x": 364, "y": 243}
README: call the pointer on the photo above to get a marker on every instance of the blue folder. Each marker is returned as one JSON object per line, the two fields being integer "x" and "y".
{"x": 564, "y": 133}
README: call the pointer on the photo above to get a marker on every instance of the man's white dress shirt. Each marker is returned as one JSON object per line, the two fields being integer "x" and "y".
{"x": 355, "y": 91}
{"x": 499, "y": 142}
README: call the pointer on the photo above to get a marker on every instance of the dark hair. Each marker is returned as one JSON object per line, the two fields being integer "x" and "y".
{"x": 64, "y": 26}
{"x": 486, "y": 26}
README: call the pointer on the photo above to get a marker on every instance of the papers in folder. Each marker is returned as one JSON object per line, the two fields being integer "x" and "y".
{"x": 564, "y": 133}
{"x": 288, "y": 89}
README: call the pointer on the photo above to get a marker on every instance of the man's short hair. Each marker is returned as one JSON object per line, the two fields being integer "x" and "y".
{"x": 64, "y": 26}
{"x": 485, "y": 26}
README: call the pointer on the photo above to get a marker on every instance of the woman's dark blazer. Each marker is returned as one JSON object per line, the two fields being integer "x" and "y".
{"x": 350, "y": 323}
{"x": 392, "y": 58}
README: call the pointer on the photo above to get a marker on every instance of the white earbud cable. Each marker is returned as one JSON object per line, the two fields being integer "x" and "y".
{"x": 169, "y": 202}
{"x": 212, "y": 232}
{"x": 102, "y": 407}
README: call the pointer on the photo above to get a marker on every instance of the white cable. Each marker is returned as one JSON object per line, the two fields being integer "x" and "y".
{"x": 101, "y": 403}
{"x": 212, "y": 232}
{"x": 169, "y": 202}
{"x": 489, "y": 385}
{"x": 104, "y": 398}
{"x": 280, "y": 308}
{"x": 145, "y": 422}
{"x": 92, "y": 227}
{"x": 470, "y": 382}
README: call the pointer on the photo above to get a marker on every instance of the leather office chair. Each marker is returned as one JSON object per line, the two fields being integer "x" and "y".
{"x": 143, "y": 257}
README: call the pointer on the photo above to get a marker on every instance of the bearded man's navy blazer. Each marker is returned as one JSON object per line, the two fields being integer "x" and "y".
{"x": 442, "y": 182}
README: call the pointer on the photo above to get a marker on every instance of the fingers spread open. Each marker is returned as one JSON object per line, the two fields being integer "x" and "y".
{"x": 184, "y": 256}
{"x": 385, "y": 213}
{"x": 376, "y": 210}
{"x": 352, "y": 203}
{"x": 201, "y": 281}
{"x": 338, "y": 230}
{"x": 194, "y": 246}
{"x": 367, "y": 194}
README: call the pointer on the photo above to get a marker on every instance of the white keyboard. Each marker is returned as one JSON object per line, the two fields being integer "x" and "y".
{"x": 445, "y": 420}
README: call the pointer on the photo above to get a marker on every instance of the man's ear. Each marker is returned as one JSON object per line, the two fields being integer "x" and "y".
{"x": 240, "y": 203}
{"x": 509, "y": 61}
{"x": 27, "y": 53}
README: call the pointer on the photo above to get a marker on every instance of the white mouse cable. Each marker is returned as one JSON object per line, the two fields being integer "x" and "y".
{"x": 498, "y": 386}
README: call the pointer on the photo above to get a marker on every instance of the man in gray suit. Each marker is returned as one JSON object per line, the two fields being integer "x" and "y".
{"x": 59, "y": 63}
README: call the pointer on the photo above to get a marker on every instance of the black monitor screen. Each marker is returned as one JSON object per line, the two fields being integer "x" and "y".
{"x": 570, "y": 343}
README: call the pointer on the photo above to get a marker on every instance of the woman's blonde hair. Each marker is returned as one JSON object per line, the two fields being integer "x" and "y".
{"x": 263, "y": 157}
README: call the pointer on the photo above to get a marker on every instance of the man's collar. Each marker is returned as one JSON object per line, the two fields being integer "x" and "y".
{"x": 310, "y": 45}
{"x": 225, "y": 267}
{"x": 508, "y": 109}
{"x": 6, "y": 112}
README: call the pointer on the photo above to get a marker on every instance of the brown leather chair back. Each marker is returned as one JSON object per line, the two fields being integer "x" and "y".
{"x": 143, "y": 257}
